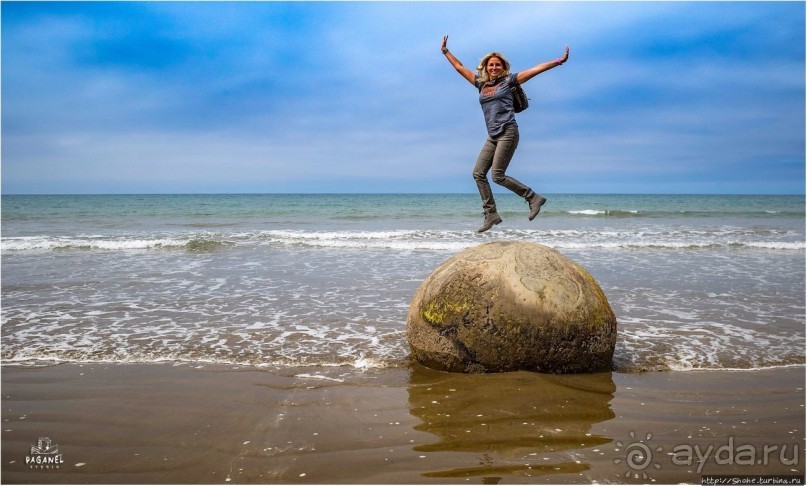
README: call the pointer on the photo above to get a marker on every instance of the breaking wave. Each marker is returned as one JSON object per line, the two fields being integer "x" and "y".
{"x": 422, "y": 240}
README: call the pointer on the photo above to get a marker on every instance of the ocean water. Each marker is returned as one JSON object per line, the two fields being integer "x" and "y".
{"x": 325, "y": 281}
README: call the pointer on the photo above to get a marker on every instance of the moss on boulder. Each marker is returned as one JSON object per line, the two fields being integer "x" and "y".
{"x": 507, "y": 306}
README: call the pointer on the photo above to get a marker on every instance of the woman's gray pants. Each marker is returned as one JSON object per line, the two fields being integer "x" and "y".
{"x": 496, "y": 154}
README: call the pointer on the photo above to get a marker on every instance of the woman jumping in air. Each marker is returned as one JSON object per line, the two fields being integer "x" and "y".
{"x": 494, "y": 81}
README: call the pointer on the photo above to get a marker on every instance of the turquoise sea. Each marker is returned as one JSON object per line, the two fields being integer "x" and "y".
{"x": 325, "y": 281}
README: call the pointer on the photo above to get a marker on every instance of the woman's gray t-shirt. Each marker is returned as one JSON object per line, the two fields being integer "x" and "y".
{"x": 497, "y": 103}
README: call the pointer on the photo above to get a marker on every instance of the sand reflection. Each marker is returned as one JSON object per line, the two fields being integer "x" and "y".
{"x": 510, "y": 424}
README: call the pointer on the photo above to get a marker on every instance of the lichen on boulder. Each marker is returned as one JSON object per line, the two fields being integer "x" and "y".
{"x": 507, "y": 306}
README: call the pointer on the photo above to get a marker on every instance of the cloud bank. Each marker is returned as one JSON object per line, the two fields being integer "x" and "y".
{"x": 356, "y": 97}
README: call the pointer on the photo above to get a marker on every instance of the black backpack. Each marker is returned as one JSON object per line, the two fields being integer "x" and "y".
{"x": 520, "y": 100}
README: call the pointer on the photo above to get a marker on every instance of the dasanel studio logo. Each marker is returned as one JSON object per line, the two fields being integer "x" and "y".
{"x": 44, "y": 455}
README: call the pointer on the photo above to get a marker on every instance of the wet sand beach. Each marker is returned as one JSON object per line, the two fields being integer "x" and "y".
{"x": 179, "y": 424}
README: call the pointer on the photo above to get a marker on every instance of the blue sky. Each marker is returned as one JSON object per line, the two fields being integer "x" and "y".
{"x": 260, "y": 97}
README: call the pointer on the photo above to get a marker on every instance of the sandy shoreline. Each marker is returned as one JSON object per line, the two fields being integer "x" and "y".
{"x": 178, "y": 424}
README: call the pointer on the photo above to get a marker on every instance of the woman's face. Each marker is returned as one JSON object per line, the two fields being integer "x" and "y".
{"x": 495, "y": 67}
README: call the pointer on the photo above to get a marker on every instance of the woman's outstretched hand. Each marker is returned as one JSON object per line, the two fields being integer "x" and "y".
{"x": 565, "y": 56}
{"x": 527, "y": 74}
{"x": 464, "y": 71}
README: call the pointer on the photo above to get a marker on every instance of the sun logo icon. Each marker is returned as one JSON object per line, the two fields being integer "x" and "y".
{"x": 638, "y": 456}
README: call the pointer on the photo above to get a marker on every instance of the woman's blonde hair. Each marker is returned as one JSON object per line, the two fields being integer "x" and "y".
{"x": 482, "y": 72}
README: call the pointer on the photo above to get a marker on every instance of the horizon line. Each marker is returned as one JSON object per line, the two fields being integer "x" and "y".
{"x": 389, "y": 194}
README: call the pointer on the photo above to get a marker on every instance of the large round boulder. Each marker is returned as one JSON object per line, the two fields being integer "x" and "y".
{"x": 509, "y": 306}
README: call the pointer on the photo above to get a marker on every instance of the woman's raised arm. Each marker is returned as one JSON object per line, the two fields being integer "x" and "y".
{"x": 530, "y": 73}
{"x": 464, "y": 71}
